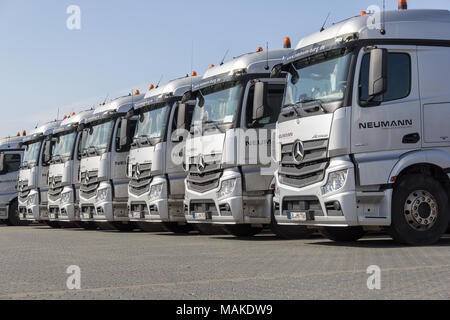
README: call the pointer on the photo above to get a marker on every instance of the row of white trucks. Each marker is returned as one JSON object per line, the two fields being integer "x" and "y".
{"x": 348, "y": 132}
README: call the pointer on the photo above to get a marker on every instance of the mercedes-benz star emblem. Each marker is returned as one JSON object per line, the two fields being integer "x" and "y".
{"x": 201, "y": 165}
{"x": 298, "y": 152}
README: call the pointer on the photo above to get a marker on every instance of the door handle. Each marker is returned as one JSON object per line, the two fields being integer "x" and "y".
{"x": 412, "y": 138}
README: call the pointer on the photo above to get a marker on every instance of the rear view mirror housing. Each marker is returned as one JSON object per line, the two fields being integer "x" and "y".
{"x": 2, "y": 163}
{"x": 47, "y": 152}
{"x": 277, "y": 70}
{"x": 377, "y": 73}
{"x": 259, "y": 100}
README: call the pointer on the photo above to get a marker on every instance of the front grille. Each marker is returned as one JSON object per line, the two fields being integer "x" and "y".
{"x": 141, "y": 179}
{"x": 310, "y": 170}
{"x": 206, "y": 179}
{"x": 56, "y": 188}
{"x": 89, "y": 184}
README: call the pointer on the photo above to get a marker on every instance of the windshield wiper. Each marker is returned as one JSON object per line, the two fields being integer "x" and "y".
{"x": 144, "y": 140}
{"x": 212, "y": 123}
{"x": 94, "y": 149}
{"x": 56, "y": 159}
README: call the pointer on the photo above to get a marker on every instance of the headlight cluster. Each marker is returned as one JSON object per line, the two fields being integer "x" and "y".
{"x": 227, "y": 188}
{"x": 65, "y": 197}
{"x": 32, "y": 199}
{"x": 102, "y": 194}
{"x": 155, "y": 192}
{"x": 336, "y": 180}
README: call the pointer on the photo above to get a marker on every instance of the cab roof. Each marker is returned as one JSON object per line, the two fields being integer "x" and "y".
{"x": 10, "y": 142}
{"x": 43, "y": 131}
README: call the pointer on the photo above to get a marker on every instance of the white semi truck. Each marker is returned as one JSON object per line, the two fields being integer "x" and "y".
{"x": 64, "y": 192}
{"x": 364, "y": 139}
{"x": 106, "y": 142}
{"x": 228, "y": 154}
{"x": 156, "y": 189}
{"x": 10, "y": 158}
{"x": 33, "y": 176}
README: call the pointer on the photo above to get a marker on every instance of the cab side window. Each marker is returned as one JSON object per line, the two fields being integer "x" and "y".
{"x": 398, "y": 78}
{"x": 12, "y": 162}
{"x": 275, "y": 94}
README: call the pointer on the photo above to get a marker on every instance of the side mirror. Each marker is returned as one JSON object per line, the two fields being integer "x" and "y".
{"x": 2, "y": 163}
{"x": 47, "y": 152}
{"x": 81, "y": 127}
{"x": 123, "y": 133}
{"x": 187, "y": 97}
{"x": 377, "y": 72}
{"x": 130, "y": 114}
{"x": 181, "y": 119}
{"x": 259, "y": 100}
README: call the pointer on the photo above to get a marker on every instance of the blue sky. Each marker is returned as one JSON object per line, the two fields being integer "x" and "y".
{"x": 130, "y": 44}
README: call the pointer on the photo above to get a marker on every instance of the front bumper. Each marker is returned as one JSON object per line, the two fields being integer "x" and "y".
{"x": 32, "y": 211}
{"x": 163, "y": 209}
{"x": 342, "y": 208}
{"x": 232, "y": 209}
{"x": 64, "y": 212}
{"x": 94, "y": 210}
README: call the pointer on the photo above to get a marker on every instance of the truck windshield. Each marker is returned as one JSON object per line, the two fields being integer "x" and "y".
{"x": 64, "y": 145}
{"x": 151, "y": 123}
{"x": 31, "y": 154}
{"x": 322, "y": 78}
{"x": 217, "y": 104}
{"x": 99, "y": 136}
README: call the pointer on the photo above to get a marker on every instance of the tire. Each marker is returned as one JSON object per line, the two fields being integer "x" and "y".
{"x": 13, "y": 215}
{"x": 124, "y": 227}
{"x": 150, "y": 227}
{"x": 292, "y": 232}
{"x": 106, "y": 226}
{"x": 420, "y": 211}
{"x": 53, "y": 224}
{"x": 343, "y": 234}
{"x": 243, "y": 230}
{"x": 87, "y": 225}
{"x": 178, "y": 228}
{"x": 68, "y": 225}
{"x": 208, "y": 229}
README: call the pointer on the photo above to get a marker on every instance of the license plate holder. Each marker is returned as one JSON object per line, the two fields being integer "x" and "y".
{"x": 200, "y": 216}
{"x": 301, "y": 216}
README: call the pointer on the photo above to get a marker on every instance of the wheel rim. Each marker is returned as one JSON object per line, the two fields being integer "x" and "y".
{"x": 421, "y": 210}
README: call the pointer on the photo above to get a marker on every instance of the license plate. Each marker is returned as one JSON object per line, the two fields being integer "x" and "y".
{"x": 136, "y": 215}
{"x": 200, "y": 216}
{"x": 86, "y": 216}
{"x": 297, "y": 216}
{"x": 52, "y": 216}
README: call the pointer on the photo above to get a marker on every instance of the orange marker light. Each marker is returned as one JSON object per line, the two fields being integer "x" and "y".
{"x": 402, "y": 5}
{"x": 18, "y": 134}
{"x": 137, "y": 92}
{"x": 287, "y": 43}
{"x": 24, "y": 133}
{"x": 211, "y": 66}
{"x": 363, "y": 13}
{"x": 151, "y": 87}
{"x": 73, "y": 113}
{"x": 65, "y": 117}
{"x": 260, "y": 49}
{"x": 194, "y": 74}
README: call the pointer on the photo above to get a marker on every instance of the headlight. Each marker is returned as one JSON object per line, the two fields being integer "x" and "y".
{"x": 31, "y": 199}
{"x": 102, "y": 194}
{"x": 155, "y": 192}
{"x": 227, "y": 188}
{"x": 65, "y": 197}
{"x": 336, "y": 181}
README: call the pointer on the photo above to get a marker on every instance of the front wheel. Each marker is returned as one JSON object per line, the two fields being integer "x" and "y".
{"x": 53, "y": 224}
{"x": 344, "y": 234}
{"x": 178, "y": 228}
{"x": 243, "y": 230}
{"x": 13, "y": 215}
{"x": 420, "y": 211}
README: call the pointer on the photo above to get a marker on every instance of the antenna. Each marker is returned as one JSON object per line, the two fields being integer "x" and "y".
{"x": 107, "y": 96}
{"x": 160, "y": 79}
{"x": 192, "y": 64}
{"x": 383, "y": 29}
{"x": 325, "y": 22}
{"x": 267, "y": 60}
{"x": 57, "y": 115}
{"x": 223, "y": 60}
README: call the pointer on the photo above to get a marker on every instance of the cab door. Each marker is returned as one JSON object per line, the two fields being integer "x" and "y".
{"x": 395, "y": 123}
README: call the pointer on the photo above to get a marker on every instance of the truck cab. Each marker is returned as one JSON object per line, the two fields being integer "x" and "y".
{"x": 103, "y": 178}
{"x": 63, "y": 195}
{"x": 33, "y": 177}
{"x": 363, "y": 140}
{"x": 10, "y": 158}
{"x": 155, "y": 165}
{"x": 228, "y": 154}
